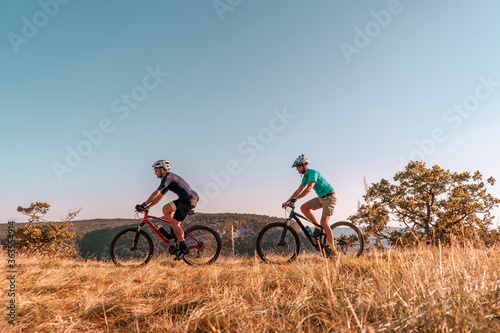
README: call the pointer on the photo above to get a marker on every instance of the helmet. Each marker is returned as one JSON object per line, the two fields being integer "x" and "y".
{"x": 162, "y": 164}
{"x": 301, "y": 160}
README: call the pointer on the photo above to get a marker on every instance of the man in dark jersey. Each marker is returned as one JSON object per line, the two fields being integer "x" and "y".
{"x": 175, "y": 211}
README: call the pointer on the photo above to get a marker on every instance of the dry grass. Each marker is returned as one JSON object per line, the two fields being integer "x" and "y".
{"x": 426, "y": 289}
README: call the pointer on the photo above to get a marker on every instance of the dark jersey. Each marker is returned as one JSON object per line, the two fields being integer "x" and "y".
{"x": 174, "y": 183}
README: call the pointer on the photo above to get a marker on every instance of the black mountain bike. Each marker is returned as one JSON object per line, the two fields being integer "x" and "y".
{"x": 279, "y": 242}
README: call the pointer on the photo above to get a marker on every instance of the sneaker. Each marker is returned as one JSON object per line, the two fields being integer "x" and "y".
{"x": 329, "y": 253}
{"x": 181, "y": 253}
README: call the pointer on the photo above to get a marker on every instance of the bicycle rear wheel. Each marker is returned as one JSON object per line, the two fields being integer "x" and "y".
{"x": 348, "y": 239}
{"x": 278, "y": 243}
{"x": 123, "y": 253}
{"x": 204, "y": 244}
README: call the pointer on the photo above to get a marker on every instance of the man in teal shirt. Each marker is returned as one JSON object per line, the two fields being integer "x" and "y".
{"x": 326, "y": 199}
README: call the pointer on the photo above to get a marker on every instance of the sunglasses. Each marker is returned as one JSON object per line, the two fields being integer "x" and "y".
{"x": 157, "y": 169}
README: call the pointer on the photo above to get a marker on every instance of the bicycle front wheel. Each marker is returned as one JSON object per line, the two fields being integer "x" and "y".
{"x": 204, "y": 245}
{"x": 125, "y": 254}
{"x": 278, "y": 243}
{"x": 348, "y": 239}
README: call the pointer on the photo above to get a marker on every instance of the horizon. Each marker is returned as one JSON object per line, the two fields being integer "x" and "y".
{"x": 231, "y": 92}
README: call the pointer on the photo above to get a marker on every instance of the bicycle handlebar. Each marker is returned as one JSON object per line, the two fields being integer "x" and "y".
{"x": 141, "y": 209}
{"x": 291, "y": 204}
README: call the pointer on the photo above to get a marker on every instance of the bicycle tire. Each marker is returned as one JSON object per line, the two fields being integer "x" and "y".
{"x": 348, "y": 239}
{"x": 268, "y": 244}
{"x": 122, "y": 254}
{"x": 206, "y": 253}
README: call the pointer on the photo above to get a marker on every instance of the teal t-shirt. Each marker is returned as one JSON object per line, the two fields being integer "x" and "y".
{"x": 322, "y": 187}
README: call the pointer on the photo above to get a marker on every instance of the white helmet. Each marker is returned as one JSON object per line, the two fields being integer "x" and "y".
{"x": 301, "y": 160}
{"x": 162, "y": 164}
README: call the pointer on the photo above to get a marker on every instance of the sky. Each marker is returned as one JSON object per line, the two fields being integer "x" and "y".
{"x": 92, "y": 93}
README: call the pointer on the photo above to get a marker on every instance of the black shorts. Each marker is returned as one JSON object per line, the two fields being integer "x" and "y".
{"x": 183, "y": 207}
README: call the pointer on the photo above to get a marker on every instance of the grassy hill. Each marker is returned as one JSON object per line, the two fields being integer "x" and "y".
{"x": 426, "y": 289}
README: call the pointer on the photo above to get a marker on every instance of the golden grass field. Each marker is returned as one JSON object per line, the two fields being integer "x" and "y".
{"x": 419, "y": 290}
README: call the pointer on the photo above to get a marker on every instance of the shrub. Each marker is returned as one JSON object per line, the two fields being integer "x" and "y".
{"x": 50, "y": 239}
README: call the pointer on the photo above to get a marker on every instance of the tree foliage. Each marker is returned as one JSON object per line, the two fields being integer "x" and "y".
{"x": 432, "y": 204}
{"x": 50, "y": 239}
{"x": 35, "y": 211}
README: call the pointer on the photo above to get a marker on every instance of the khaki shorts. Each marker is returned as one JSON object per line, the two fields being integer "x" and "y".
{"x": 328, "y": 204}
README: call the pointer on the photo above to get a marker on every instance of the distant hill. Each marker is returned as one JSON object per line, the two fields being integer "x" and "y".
{"x": 94, "y": 236}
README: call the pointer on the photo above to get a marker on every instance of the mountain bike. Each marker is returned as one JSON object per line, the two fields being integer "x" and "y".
{"x": 279, "y": 242}
{"x": 134, "y": 247}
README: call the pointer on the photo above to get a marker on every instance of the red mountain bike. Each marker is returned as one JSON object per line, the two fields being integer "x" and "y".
{"x": 133, "y": 247}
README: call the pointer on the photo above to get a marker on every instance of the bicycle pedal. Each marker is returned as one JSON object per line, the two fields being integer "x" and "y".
{"x": 181, "y": 254}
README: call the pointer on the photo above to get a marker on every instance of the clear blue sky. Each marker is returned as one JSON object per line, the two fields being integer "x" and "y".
{"x": 93, "y": 92}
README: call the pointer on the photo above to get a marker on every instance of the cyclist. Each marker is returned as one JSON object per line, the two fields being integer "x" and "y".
{"x": 175, "y": 211}
{"x": 326, "y": 199}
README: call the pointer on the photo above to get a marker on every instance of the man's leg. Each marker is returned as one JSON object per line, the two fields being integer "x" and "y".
{"x": 328, "y": 231}
{"x": 176, "y": 227}
{"x": 168, "y": 211}
{"x": 306, "y": 209}
{"x": 181, "y": 212}
{"x": 179, "y": 233}
{"x": 328, "y": 204}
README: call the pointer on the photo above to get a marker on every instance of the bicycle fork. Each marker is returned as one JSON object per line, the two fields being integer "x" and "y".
{"x": 281, "y": 242}
{"x": 136, "y": 238}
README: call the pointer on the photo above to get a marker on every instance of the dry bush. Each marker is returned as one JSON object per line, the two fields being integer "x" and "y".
{"x": 46, "y": 239}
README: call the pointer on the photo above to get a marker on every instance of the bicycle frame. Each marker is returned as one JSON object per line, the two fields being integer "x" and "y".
{"x": 145, "y": 220}
{"x": 295, "y": 216}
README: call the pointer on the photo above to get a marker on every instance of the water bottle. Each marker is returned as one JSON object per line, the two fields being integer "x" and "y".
{"x": 309, "y": 231}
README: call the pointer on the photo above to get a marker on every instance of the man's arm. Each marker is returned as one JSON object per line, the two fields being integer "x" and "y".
{"x": 154, "y": 198}
{"x": 302, "y": 191}
{"x": 296, "y": 193}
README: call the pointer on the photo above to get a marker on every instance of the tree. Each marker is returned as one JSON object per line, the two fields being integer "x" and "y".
{"x": 35, "y": 211}
{"x": 432, "y": 204}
